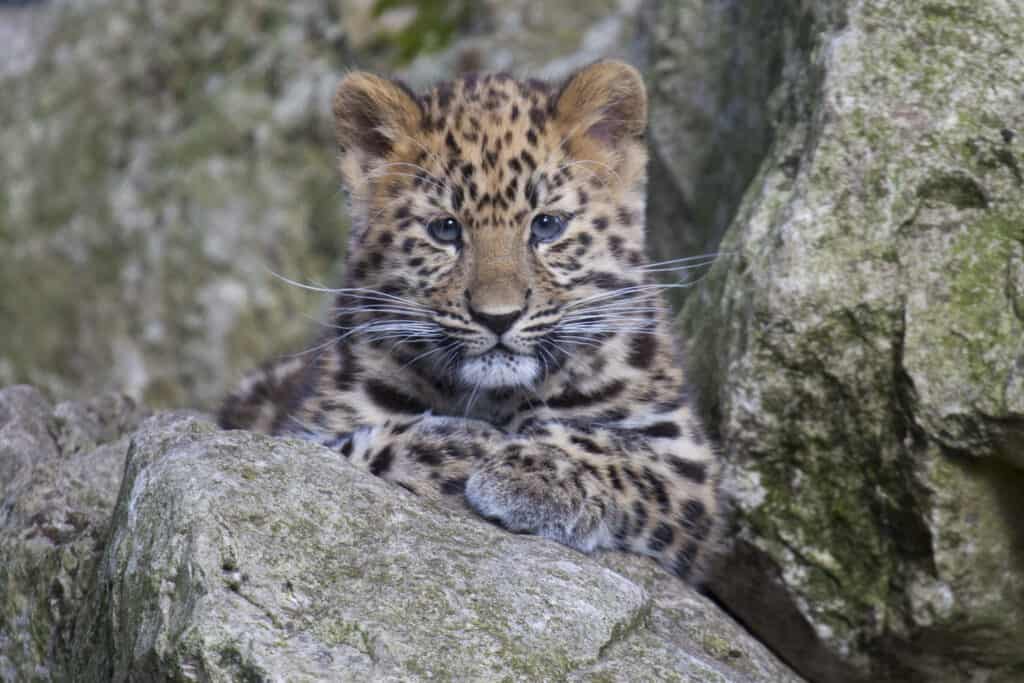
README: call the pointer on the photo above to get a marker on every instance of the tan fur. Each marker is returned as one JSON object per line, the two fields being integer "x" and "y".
{"x": 570, "y": 419}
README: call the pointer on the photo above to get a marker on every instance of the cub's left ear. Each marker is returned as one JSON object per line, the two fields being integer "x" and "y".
{"x": 606, "y": 102}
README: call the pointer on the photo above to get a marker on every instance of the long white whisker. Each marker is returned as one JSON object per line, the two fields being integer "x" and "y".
{"x": 350, "y": 291}
{"x": 686, "y": 259}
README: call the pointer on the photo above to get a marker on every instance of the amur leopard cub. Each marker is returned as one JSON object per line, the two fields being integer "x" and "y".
{"x": 500, "y": 339}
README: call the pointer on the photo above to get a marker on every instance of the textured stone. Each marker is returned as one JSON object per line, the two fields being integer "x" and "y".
{"x": 238, "y": 556}
{"x": 862, "y": 352}
{"x": 59, "y": 472}
{"x": 160, "y": 159}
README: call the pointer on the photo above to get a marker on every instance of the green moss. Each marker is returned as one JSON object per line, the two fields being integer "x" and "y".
{"x": 433, "y": 28}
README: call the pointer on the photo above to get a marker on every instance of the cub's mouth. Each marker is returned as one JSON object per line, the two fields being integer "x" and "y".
{"x": 499, "y": 367}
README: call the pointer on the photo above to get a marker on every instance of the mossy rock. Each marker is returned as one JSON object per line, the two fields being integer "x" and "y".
{"x": 862, "y": 353}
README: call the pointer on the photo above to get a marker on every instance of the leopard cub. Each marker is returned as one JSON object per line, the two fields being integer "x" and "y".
{"x": 500, "y": 340}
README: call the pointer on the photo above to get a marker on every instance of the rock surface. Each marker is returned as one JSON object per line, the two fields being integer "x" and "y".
{"x": 235, "y": 556}
{"x": 862, "y": 353}
{"x": 160, "y": 159}
{"x": 232, "y": 556}
{"x": 59, "y": 472}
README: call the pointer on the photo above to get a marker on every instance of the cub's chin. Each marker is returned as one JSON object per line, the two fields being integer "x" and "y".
{"x": 499, "y": 368}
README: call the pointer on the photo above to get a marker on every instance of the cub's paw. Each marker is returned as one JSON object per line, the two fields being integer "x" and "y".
{"x": 537, "y": 502}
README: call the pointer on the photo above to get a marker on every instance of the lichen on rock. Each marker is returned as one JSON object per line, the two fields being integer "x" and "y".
{"x": 230, "y": 555}
{"x": 861, "y": 354}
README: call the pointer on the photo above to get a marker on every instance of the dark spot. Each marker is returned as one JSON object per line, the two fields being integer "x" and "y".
{"x": 683, "y": 564}
{"x": 449, "y": 141}
{"x": 610, "y": 281}
{"x": 343, "y": 380}
{"x": 642, "y": 348}
{"x": 613, "y": 477}
{"x": 688, "y": 469}
{"x": 381, "y": 462}
{"x": 658, "y": 488}
{"x": 625, "y": 216}
{"x": 639, "y": 517}
{"x": 538, "y": 117}
{"x": 601, "y": 223}
{"x": 571, "y": 398}
{"x": 693, "y": 513}
{"x": 615, "y": 245}
{"x": 391, "y": 399}
{"x": 454, "y": 486}
{"x": 402, "y": 428}
{"x": 661, "y": 537}
{"x": 426, "y": 455}
{"x": 661, "y": 430}
{"x": 385, "y": 239}
{"x": 586, "y": 444}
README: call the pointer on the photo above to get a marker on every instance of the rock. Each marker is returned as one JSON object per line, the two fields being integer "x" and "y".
{"x": 711, "y": 68}
{"x": 59, "y": 472}
{"x": 235, "y": 556}
{"x": 160, "y": 161}
{"x": 531, "y": 39}
{"x": 862, "y": 353}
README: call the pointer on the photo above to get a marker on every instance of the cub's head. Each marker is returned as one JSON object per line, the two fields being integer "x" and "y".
{"x": 498, "y": 224}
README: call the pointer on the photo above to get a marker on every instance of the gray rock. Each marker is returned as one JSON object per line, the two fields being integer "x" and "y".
{"x": 711, "y": 69}
{"x": 159, "y": 161}
{"x": 236, "y": 556}
{"x": 862, "y": 354}
{"x": 59, "y": 472}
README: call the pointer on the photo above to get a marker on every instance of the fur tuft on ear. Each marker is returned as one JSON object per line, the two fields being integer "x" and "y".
{"x": 371, "y": 114}
{"x": 606, "y": 101}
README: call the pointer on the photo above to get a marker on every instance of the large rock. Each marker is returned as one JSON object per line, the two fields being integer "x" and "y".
{"x": 234, "y": 556}
{"x": 711, "y": 69}
{"x": 59, "y": 472}
{"x": 862, "y": 354}
{"x": 160, "y": 159}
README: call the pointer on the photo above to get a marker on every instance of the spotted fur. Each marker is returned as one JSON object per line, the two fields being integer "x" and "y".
{"x": 536, "y": 380}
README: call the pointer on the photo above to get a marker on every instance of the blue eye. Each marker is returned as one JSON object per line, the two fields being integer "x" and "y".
{"x": 445, "y": 230}
{"x": 546, "y": 228}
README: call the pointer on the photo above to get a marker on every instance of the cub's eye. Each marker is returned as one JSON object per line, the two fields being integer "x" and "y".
{"x": 546, "y": 228}
{"x": 446, "y": 230}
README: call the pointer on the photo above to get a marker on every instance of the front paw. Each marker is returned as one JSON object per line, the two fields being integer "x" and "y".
{"x": 537, "y": 503}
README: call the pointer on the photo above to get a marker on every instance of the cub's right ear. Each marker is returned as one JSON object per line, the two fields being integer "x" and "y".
{"x": 372, "y": 117}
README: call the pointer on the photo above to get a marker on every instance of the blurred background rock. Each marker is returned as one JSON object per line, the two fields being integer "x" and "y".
{"x": 859, "y": 351}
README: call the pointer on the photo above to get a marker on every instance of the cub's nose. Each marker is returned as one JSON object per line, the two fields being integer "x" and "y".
{"x": 498, "y": 324}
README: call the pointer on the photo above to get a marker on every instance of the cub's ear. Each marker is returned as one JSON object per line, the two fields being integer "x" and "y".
{"x": 373, "y": 116}
{"x": 606, "y": 102}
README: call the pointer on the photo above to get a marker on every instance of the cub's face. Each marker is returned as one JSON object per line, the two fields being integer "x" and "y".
{"x": 496, "y": 221}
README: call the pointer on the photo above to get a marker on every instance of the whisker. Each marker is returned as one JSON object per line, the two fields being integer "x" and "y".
{"x": 686, "y": 259}
{"x": 350, "y": 291}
